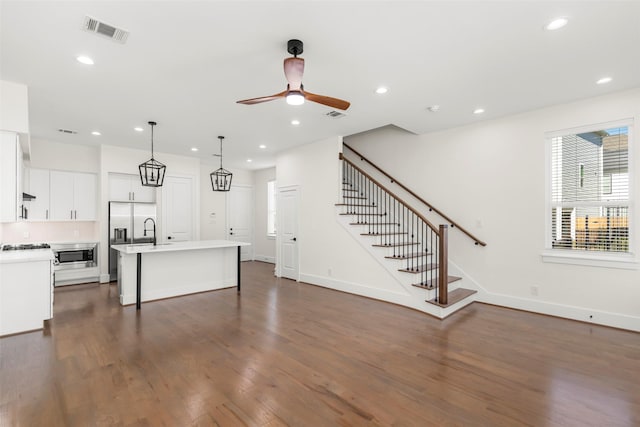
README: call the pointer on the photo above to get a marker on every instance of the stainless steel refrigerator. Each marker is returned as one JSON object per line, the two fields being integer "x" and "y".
{"x": 126, "y": 226}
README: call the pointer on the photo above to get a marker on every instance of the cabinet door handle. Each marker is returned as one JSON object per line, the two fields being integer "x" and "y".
{"x": 71, "y": 215}
{"x": 75, "y": 214}
{"x": 133, "y": 195}
{"x": 46, "y": 214}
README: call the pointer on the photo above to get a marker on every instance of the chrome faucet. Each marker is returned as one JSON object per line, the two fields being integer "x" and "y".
{"x": 154, "y": 229}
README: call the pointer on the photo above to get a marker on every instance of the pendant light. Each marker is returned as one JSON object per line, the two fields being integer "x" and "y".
{"x": 221, "y": 178}
{"x": 152, "y": 171}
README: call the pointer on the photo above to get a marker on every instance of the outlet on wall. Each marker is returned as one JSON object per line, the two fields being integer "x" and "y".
{"x": 534, "y": 291}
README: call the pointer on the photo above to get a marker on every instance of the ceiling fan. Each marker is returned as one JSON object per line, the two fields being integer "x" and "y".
{"x": 295, "y": 93}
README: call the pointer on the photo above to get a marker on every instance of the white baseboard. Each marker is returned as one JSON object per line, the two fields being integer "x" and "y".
{"x": 264, "y": 258}
{"x": 105, "y": 278}
{"x": 582, "y": 314}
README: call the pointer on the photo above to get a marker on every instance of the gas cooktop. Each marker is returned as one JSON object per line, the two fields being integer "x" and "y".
{"x": 25, "y": 247}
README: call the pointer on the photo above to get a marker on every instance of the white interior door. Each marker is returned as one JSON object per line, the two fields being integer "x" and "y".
{"x": 240, "y": 218}
{"x": 287, "y": 231}
{"x": 177, "y": 208}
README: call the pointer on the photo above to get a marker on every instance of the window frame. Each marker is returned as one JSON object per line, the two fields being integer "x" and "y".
{"x": 624, "y": 260}
{"x": 270, "y": 212}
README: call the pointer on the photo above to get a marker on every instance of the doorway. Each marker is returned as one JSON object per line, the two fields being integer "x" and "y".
{"x": 240, "y": 218}
{"x": 177, "y": 208}
{"x": 287, "y": 233}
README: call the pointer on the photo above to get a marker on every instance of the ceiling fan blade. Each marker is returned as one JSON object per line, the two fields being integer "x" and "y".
{"x": 262, "y": 99}
{"x": 327, "y": 100}
{"x": 293, "y": 71}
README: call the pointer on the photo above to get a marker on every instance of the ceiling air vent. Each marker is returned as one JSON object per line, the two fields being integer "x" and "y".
{"x": 72, "y": 132}
{"x": 94, "y": 26}
{"x": 335, "y": 114}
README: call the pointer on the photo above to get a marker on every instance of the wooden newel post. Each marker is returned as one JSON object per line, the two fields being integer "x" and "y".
{"x": 443, "y": 262}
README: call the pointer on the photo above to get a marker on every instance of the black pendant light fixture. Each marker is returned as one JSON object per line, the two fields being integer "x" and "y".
{"x": 152, "y": 171}
{"x": 221, "y": 178}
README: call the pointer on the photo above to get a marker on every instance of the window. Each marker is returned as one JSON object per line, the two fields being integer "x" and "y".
{"x": 271, "y": 208}
{"x": 589, "y": 200}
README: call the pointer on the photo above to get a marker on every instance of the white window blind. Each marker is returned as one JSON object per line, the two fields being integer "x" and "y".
{"x": 590, "y": 190}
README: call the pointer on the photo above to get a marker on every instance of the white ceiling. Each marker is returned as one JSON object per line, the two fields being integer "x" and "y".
{"x": 186, "y": 63}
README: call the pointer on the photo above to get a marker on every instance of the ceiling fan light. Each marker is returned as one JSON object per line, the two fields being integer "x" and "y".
{"x": 295, "y": 98}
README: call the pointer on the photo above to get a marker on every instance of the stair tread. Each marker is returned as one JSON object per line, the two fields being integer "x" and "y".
{"x": 382, "y": 234}
{"x": 351, "y": 205}
{"x": 354, "y": 197}
{"x": 420, "y": 268}
{"x": 373, "y": 223}
{"x": 431, "y": 283}
{"x": 411, "y": 255}
{"x": 363, "y": 214}
{"x": 395, "y": 245}
{"x": 454, "y": 296}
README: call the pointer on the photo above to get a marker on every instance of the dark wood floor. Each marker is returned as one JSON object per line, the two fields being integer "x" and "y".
{"x": 285, "y": 353}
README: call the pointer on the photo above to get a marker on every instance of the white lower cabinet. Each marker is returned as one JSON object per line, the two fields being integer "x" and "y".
{"x": 25, "y": 295}
{"x": 73, "y": 196}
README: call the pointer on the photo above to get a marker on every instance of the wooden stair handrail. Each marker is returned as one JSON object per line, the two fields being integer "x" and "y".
{"x": 395, "y": 181}
{"x": 406, "y": 205}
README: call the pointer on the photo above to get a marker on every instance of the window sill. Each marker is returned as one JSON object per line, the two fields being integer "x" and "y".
{"x": 599, "y": 259}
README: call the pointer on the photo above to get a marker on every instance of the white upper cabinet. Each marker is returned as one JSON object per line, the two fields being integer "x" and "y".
{"x": 128, "y": 188}
{"x": 10, "y": 177}
{"x": 73, "y": 196}
{"x": 37, "y": 184}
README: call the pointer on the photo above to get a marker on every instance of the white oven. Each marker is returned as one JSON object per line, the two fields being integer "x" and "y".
{"x": 75, "y": 263}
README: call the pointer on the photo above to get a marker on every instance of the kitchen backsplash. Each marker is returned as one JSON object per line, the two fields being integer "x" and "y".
{"x": 50, "y": 231}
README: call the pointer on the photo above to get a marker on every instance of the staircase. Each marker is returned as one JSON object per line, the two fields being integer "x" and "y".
{"x": 402, "y": 239}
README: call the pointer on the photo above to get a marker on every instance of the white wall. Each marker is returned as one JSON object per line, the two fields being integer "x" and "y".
{"x": 14, "y": 107}
{"x": 328, "y": 255}
{"x": 264, "y": 246}
{"x": 490, "y": 177}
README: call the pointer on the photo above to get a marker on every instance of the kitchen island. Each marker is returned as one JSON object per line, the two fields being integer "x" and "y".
{"x": 147, "y": 272}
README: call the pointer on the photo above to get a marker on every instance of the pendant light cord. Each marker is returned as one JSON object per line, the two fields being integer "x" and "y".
{"x": 152, "y": 142}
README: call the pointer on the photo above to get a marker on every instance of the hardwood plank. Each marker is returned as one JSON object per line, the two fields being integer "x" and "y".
{"x": 284, "y": 353}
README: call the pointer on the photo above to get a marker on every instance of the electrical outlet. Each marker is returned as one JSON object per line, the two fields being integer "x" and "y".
{"x": 534, "y": 291}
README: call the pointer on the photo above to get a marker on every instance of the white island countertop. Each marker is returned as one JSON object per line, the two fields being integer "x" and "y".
{"x": 176, "y": 246}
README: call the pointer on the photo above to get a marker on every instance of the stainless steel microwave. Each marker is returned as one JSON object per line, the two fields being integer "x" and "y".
{"x": 74, "y": 255}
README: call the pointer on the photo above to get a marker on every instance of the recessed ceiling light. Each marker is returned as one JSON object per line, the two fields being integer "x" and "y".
{"x": 434, "y": 108}
{"x": 262, "y": 146}
{"x": 295, "y": 122}
{"x": 381, "y": 90}
{"x": 194, "y": 149}
{"x": 478, "y": 111}
{"x": 604, "y": 80}
{"x": 556, "y": 24}
{"x": 138, "y": 129}
{"x": 85, "y": 60}
{"x": 249, "y": 160}
{"x": 96, "y": 133}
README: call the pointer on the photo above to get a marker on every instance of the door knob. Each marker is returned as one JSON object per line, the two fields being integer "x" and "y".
{"x": 294, "y": 239}
{"x": 231, "y": 234}
{"x": 169, "y": 237}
